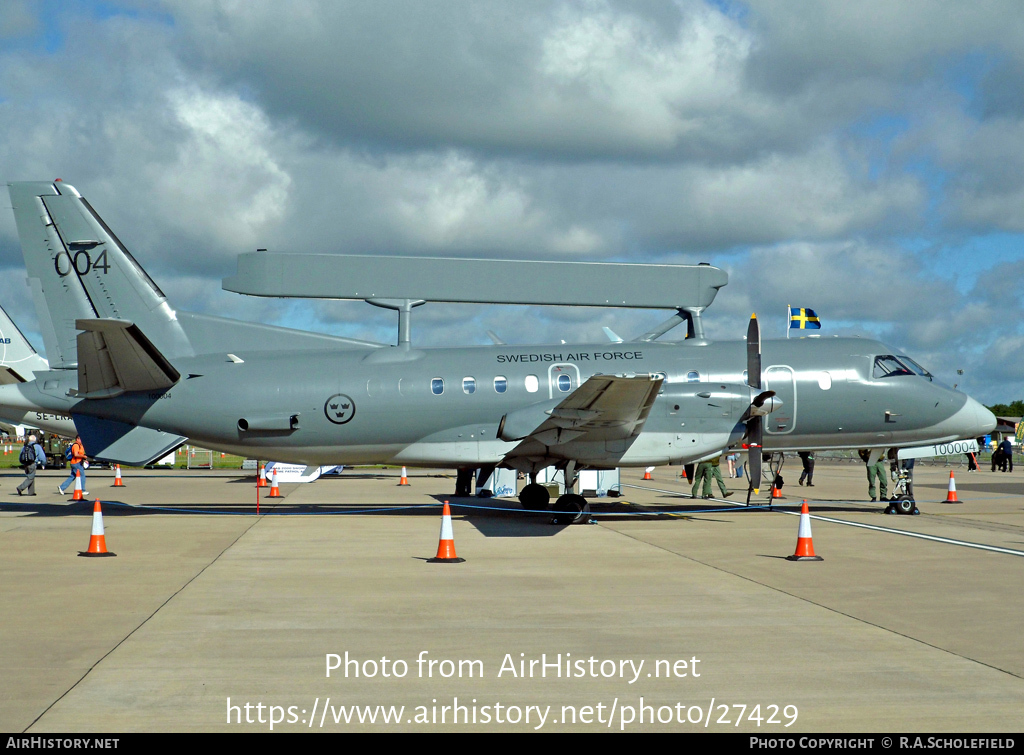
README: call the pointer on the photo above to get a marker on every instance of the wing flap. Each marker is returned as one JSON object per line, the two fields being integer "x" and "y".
{"x": 604, "y": 408}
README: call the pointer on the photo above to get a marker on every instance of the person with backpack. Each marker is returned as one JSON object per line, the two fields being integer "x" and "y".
{"x": 32, "y": 458}
{"x": 76, "y": 455}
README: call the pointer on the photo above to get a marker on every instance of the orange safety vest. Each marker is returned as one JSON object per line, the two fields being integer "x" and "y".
{"x": 77, "y": 452}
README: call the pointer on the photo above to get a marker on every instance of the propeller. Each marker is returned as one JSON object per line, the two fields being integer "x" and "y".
{"x": 754, "y": 423}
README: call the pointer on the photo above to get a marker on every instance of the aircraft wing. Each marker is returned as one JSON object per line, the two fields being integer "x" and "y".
{"x": 604, "y": 408}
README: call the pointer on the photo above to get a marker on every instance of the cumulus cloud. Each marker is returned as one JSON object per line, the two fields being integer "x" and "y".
{"x": 841, "y": 156}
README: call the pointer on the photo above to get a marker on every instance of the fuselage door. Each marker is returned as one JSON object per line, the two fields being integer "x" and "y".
{"x": 782, "y": 380}
{"x": 563, "y": 379}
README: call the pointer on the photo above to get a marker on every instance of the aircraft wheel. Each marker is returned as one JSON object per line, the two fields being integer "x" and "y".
{"x": 570, "y": 509}
{"x": 904, "y": 505}
{"x": 534, "y": 497}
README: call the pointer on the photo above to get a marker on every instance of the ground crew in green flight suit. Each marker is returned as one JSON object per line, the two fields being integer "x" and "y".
{"x": 703, "y": 474}
{"x": 705, "y": 471}
{"x": 716, "y": 472}
{"x": 878, "y": 469}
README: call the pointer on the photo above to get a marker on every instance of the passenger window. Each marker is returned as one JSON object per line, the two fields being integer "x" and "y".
{"x": 469, "y": 385}
{"x": 500, "y": 384}
{"x": 824, "y": 381}
{"x": 532, "y": 383}
{"x": 437, "y": 386}
{"x": 564, "y": 383}
{"x": 693, "y": 376}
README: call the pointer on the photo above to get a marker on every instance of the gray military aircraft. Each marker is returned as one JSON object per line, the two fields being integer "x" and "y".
{"x": 139, "y": 376}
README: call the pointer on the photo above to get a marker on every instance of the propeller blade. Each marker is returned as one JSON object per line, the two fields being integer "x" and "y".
{"x": 754, "y": 353}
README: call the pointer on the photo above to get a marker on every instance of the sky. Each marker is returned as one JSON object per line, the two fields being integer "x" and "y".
{"x": 862, "y": 159}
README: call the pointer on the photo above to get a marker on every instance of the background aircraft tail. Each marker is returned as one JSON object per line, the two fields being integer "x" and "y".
{"x": 18, "y": 360}
{"x": 79, "y": 270}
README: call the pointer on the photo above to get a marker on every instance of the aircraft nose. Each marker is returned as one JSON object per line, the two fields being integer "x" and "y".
{"x": 975, "y": 419}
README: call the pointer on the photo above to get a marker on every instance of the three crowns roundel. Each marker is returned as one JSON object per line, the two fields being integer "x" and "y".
{"x": 339, "y": 408}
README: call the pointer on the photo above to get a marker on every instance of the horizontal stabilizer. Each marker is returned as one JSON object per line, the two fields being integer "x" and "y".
{"x": 114, "y": 357}
{"x": 121, "y": 443}
{"x": 10, "y": 375}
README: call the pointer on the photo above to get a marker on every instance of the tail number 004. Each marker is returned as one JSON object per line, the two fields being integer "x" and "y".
{"x": 81, "y": 262}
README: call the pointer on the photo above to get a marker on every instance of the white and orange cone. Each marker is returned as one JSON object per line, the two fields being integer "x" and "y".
{"x": 777, "y": 492}
{"x": 647, "y": 473}
{"x": 78, "y": 488}
{"x": 804, "y": 543}
{"x": 263, "y": 476}
{"x": 951, "y": 495}
{"x": 98, "y": 541}
{"x": 405, "y": 478}
{"x": 118, "y": 482}
{"x": 275, "y": 492}
{"x": 446, "y": 543}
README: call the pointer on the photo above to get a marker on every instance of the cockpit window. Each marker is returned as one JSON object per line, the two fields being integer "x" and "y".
{"x": 886, "y": 365}
{"x": 918, "y": 369}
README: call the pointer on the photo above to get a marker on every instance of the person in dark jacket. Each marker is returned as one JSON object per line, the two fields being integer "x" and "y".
{"x": 28, "y": 487}
{"x": 1007, "y": 448}
{"x": 807, "y": 458}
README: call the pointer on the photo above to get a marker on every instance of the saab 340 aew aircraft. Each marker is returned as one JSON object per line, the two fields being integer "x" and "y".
{"x": 139, "y": 377}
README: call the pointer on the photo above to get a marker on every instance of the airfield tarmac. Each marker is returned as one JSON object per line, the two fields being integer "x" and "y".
{"x": 890, "y": 633}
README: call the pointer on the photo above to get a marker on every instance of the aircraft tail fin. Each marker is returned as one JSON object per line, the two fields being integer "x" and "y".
{"x": 79, "y": 270}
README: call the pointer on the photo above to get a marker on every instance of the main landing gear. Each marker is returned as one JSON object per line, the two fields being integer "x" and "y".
{"x": 569, "y": 508}
{"x": 534, "y": 497}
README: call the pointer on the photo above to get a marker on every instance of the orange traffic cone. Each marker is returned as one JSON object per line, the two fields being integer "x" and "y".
{"x": 951, "y": 495}
{"x": 777, "y": 492}
{"x": 405, "y": 479}
{"x": 446, "y": 543}
{"x": 275, "y": 492}
{"x": 118, "y": 482}
{"x": 263, "y": 476}
{"x": 647, "y": 473}
{"x": 97, "y": 542}
{"x": 804, "y": 543}
{"x": 78, "y": 488}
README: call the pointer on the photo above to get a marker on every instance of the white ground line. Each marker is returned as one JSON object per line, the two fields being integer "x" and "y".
{"x": 935, "y": 538}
